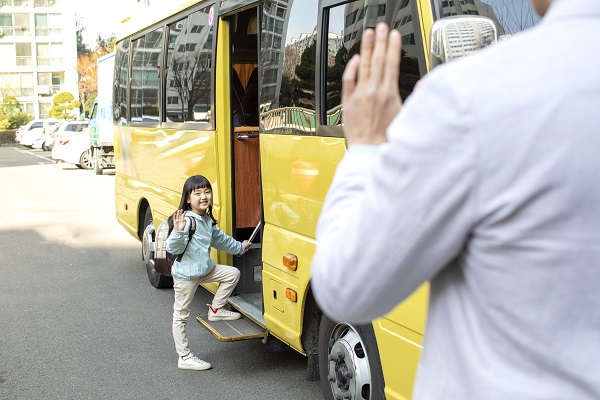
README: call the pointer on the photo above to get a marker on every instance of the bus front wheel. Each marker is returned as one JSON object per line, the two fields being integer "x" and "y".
{"x": 349, "y": 362}
{"x": 157, "y": 280}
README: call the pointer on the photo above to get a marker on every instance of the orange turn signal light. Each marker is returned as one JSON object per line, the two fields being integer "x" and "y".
{"x": 291, "y": 295}
{"x": 290, "y": 261}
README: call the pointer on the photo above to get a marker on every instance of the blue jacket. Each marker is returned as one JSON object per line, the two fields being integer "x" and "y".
{"x": 196, "y": 260}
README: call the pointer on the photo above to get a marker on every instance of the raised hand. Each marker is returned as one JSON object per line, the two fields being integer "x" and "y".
{"x": 370, "y": 94}
{"x": 179, "y": 221}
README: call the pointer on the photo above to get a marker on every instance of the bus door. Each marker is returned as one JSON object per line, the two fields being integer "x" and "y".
{"x": 297, "y": 166}
{"x": 246, "y": 199}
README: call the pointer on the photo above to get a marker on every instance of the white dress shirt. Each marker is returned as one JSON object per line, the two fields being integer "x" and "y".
{"x": 489, "y": 188}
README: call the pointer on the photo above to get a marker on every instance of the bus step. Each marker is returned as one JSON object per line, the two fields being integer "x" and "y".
{"x": 230, "y": 331}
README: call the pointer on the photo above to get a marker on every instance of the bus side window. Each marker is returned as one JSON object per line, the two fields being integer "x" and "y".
{"x": 147, "y": 52}
{"x": 347, "y": 23}
{"x": 121, "y": 79}
{"x": 189, "y": 92}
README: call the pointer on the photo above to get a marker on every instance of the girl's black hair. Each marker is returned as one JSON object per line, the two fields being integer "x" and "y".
{"x": 192, "y": 183}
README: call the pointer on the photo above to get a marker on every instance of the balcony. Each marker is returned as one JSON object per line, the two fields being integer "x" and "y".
{"x": 23, "y": 61}
{"x": 48, "y": 90}
{"x": 45, "y": 3}
{"x": 16, "y": 3}
{"x": 48, "y": 61}
{"x": 18, "y": 61}
{"x": 18, "y": 92}
{"x": 45, "y": 31}
{"x": 14, "y": 31}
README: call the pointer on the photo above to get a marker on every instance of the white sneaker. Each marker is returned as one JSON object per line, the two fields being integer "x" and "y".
{"x": 221, "y": 314}
{"x": 192, "y": 362}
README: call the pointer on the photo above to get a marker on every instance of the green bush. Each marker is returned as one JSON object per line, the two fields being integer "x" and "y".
{"x": 11, "y": 114}
{"x": 7, "y": 137}
{"x": 18, "y": 119}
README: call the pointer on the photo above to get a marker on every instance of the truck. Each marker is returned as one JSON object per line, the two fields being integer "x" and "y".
{"x": 101, "y": 117}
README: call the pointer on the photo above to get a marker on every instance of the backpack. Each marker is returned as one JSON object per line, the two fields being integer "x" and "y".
{"x": 163, "y": 260}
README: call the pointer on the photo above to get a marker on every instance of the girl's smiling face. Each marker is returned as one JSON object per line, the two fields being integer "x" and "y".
{"x": 199, "y": 200}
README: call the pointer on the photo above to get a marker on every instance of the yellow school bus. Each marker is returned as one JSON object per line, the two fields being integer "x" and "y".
{"x": 248, "y": 94}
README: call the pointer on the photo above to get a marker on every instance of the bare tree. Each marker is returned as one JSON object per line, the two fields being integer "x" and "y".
{"x": 87, "y": 69}
{"x": 190, "y": 73}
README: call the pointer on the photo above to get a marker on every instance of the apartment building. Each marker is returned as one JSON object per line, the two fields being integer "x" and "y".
{"x": 38, "y": 53}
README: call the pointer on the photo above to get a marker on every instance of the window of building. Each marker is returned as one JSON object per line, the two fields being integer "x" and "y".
{"x": 510, "y": 17}
{"x": 278, "y": 27}
{"x": 351, "y": 18}
{"x": 45, "y": 109}
{"x": 6, "y": 24}
{"x": 22, "y": 54}
{"x": 21, "y": 22}
{"x": 49, "y": 54}
{"x": 17, "y": 83}
{"x": 46, "y": 3}
{"x": 53, "y": 80}
{"x": 48, "y": 24}
{"x": 27, "y": 107}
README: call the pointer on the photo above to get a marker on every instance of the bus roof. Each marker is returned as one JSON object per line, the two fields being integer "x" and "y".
{"x": 136, "y": 23}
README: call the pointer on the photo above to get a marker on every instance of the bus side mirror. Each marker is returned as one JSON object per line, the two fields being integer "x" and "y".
{"x": 458, "y": 36}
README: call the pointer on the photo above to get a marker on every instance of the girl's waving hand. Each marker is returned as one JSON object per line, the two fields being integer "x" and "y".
{"x": 179, "y": 220}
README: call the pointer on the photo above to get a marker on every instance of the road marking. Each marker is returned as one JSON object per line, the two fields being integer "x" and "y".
{"x": 51, "y": 160}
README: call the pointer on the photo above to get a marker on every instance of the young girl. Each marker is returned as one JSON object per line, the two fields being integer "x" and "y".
{"x": 196, "y": 266}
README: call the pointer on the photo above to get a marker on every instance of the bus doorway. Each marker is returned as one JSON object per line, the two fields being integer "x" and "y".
{"x": 245, "y": 140}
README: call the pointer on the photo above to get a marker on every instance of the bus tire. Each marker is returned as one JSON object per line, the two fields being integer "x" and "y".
{"x": 97, "y": 161}
{"x": 349, "y": 362}
{"x": 157, "y": 280}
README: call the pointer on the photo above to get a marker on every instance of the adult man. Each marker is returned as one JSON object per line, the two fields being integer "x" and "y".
{"x": 488, "y": 186}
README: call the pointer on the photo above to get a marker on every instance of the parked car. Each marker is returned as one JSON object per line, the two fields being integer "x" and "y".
{"x": 73, "y": 146}
{"x": 30, "y": 136}
{"x": 37, "y": 124}
{"x": 65, "y": 128}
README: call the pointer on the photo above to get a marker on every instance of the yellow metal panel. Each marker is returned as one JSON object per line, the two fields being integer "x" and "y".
{"x": 153, "y": 163}
{"x": 426, "y": 20}
{"x": 283, "y": 318}
{"x": 399, "y": 339}
{"x": 223, "y": 138}
{"x": 296, "y": 174}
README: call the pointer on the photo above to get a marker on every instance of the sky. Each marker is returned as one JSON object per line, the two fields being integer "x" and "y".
{"x": 105, "y": 17}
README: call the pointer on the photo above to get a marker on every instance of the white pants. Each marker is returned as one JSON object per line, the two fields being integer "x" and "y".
{"x": 184, "y": 294}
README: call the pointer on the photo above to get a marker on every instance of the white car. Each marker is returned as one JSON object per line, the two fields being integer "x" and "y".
{"x": 74, "y": 147}
{"x": 28, "y": 137}
{"x": 64, "y": 128}
{"x": 36, "y": 124}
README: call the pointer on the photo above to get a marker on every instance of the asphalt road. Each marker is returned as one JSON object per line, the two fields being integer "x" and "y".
{"x": 78, "y": 318}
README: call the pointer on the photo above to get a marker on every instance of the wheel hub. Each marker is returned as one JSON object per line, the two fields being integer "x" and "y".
{"x": 349, "y": 371}
{"x": 148, "y": 246}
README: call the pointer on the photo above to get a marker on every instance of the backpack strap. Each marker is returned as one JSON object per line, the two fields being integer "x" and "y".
{"x": 190, "y": 234}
